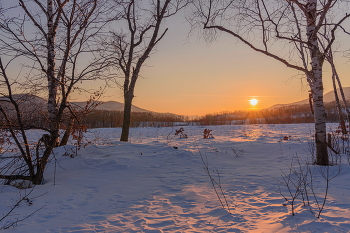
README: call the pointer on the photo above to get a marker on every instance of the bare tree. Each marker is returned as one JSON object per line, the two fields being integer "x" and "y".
{"x": 56, "y": 43}
{"x": 289, "y": 31}
{"x": 337, "y": 101}
{"x": 336, "y": 83}
{"x": 141, "y": 30}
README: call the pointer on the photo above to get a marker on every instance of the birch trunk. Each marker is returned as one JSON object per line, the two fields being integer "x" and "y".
{"x": 51, "y": 66}
{"x": 320, "y": 126}
{"x": 52, "y": 86}
{"x": 317, "y": 59}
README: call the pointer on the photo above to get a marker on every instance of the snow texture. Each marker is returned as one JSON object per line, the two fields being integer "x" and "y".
{"x": 156, "y": 183}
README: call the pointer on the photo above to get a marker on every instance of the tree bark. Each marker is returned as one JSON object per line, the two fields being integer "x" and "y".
{"x": 337, "y": 102}
{"x": 311, "y": 104}
{"x": 51, "y": 66}
{"x": 320, "y": 127}
{"x": 316, "y": 84}
{"x": 42, "y": 162}
{"x": 127, "y": 116}
{"x": 68, "y": 131}
{"x": 336, "y": 76}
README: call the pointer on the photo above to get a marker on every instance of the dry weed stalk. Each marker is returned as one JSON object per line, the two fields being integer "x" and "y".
{"x": 300, "y": 184}
{"x": 216, "y": 183}
{"x": 10, "y": 223}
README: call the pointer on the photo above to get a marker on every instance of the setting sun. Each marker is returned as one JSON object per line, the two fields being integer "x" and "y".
{"x": 253, "y": 102}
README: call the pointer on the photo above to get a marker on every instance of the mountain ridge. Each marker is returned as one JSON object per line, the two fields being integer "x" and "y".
{"x": 33, "y": 101}
{"x": 111, "y": 106}
{"x": 328, "y": 97}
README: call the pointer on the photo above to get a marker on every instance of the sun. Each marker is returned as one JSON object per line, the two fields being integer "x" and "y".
{"x": 253, "y": 102}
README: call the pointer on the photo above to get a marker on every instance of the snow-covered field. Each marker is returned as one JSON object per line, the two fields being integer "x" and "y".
{"x": 157, "y": 183}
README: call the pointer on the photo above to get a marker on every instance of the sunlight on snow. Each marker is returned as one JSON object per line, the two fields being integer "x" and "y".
{"x": 156, "y": 183}
{"x": 197, "y": 209}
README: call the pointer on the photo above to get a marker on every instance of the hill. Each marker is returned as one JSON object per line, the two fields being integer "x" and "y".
{"x": 328, "y": 97}
{"x": 111, "y": 106}
{"x": 32, "y": 102}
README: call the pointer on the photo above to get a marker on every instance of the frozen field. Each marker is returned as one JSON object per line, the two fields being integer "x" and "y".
{"x": 157, "y": 183}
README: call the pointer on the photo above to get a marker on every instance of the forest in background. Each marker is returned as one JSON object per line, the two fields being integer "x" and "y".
{"x": 281, "y": 115}
{"x": 34, "y": 117}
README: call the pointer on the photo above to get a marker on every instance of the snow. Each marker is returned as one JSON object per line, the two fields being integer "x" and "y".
{"x": 147, "y": 185}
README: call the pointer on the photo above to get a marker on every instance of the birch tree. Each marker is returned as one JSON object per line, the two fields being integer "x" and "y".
{"x": 141, "y": 30}
{"x": 54, "y": 40}
{"x": 285, "y": 30}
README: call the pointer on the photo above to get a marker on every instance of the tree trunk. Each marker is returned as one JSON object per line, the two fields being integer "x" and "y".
{"x": 337, "y": 102}
{"x": 51, "y": 67}
{"x": 68, "y": 131}
{"x": 39, "y": 176}
{"x": 320, "y": 128}
{"x": 334, "y": 70}
{"x": 317, "y": 59}
{"x": 311, "y": 103}
{"x": 41, "y": 162}
{"x": 126, "y": 117}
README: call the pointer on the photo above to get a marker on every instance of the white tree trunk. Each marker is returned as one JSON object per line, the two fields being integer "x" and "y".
{"x": 320, "y": 122}
{"x": 51, "y": 66}
{"x": 316, "y": 85}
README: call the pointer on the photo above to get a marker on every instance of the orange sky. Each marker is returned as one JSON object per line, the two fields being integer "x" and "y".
{"x": 190, "y": 77}
{"x": 187, "y": 76}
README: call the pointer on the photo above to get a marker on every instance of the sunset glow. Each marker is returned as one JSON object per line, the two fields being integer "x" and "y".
{"x": 253, "y": 102}
{"x": 187, "y": 76}
{"x": 174, "y": 83}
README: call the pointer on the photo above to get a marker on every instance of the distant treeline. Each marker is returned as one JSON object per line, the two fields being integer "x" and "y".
{"x": 112, "y": 119}
{"x": 281, "y": 115}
